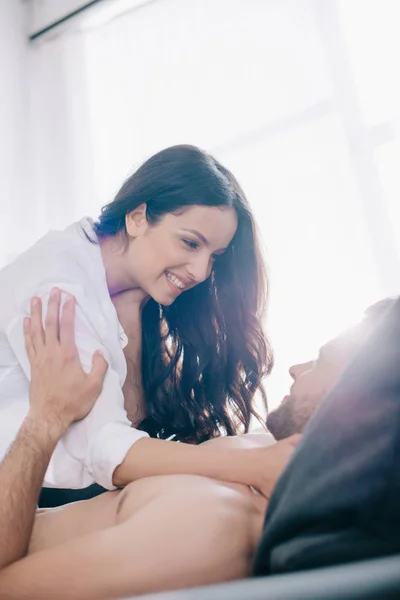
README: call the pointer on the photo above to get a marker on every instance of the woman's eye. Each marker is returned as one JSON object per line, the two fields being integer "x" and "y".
{"x": 191, "y": 244}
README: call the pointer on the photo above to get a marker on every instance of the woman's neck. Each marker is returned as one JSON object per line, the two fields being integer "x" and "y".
{"x": 118, "y": 280}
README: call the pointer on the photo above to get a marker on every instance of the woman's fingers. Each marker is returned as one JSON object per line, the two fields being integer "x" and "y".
{"x": 36, "y": 325}
{"x": 52, "y": 317}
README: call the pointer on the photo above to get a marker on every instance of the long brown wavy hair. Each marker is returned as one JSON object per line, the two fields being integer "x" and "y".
{"x": 205, "y": 356}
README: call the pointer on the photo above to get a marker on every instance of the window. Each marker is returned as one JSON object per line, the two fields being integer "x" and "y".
{"x": 292, "y": 97}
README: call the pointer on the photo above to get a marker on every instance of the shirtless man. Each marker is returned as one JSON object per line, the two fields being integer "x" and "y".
{"x": 169, "y": 532}
{"x": 158, "y": 533}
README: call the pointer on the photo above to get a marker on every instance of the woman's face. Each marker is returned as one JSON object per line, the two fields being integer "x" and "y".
{"x": 179, "y": 251}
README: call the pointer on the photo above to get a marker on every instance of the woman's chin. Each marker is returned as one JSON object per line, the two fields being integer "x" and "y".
{"x": 166, "y": 296}
{"x": 167, "y": 301}
{"x": 164, "y": 299}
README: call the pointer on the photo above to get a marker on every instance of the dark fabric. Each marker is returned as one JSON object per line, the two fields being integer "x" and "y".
{"x": 339, "y": 498}
{"x": 50, "y": 497}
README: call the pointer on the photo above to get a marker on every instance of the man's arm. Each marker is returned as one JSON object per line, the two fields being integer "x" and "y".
{"x": 21, "y": 476}
{"x": 60, "y": 393}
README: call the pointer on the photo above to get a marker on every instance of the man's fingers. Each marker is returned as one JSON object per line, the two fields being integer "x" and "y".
{"x": 67, "y": 323}
{"x": 30, "y": 349}
{"x": 99, "y": 369}
{"x": 52, "y": 317}
{"x": 36, "y": 325}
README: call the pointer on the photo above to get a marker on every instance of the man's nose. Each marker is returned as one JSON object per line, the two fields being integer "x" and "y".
{"x": 296, "y": 370}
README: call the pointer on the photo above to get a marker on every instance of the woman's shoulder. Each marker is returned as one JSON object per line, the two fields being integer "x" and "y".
{"x": 71, "y": 249}
{"x": 66, "y": 259}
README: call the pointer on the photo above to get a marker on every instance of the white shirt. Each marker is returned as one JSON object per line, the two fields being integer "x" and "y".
{"x": 91, "y": 448}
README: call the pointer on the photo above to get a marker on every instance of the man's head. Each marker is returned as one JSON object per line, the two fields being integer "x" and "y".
{"x": 312, "y": 380}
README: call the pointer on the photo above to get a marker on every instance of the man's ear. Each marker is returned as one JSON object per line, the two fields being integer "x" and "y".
{"x": 136, "y": 222}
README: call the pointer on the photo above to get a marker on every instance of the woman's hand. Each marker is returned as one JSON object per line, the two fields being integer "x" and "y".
{"x": 271, "y": 462}
{"x": 60, "y": 390}
{"x": 242, "y": 441}
{"x": 266, "y": 458}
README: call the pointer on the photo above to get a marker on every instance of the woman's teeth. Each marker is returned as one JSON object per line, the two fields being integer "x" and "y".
{"x": 177, "y": 282}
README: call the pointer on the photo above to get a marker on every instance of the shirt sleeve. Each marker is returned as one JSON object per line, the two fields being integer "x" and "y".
{"x": 92, "y": 448}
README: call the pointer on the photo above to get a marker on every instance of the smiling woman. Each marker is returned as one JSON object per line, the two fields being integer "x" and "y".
{"x": 172, "y": 256}
{"x": 170, "y": 286}
{"x": 191, "y": 247}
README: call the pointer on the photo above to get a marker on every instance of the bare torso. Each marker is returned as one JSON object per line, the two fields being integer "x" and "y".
{"x": 55, "y": 526}
{"x": 158, "y": 533}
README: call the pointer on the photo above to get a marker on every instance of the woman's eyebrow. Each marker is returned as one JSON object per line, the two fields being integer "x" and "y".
{"x": 198, "y": 234}
{"x": 204, "y": 240}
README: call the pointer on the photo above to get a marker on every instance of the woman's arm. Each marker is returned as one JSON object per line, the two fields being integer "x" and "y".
{"x": 244, "y": 462}
{"x": 129, "y": 315}
{"x": 243, "y": 459}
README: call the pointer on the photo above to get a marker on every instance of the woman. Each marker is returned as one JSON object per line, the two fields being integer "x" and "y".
{"x": 170, "y": 287}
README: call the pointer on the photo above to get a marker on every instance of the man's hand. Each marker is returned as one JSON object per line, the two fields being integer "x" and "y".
{"x": 60, "y": 390}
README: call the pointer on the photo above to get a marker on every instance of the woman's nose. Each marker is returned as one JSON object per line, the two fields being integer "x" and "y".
{"x": 200, "y": 269}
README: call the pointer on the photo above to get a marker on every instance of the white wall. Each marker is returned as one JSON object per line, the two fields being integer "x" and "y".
{"x": 15, "y": 208}
{"x": 37, "y": 184}
{"x": 42, "y": 13}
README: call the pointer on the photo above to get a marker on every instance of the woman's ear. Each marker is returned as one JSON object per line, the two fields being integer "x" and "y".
{"x": 136, "y": 222}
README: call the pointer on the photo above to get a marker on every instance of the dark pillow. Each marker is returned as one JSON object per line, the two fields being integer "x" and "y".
{"x": 339, "y": 498}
